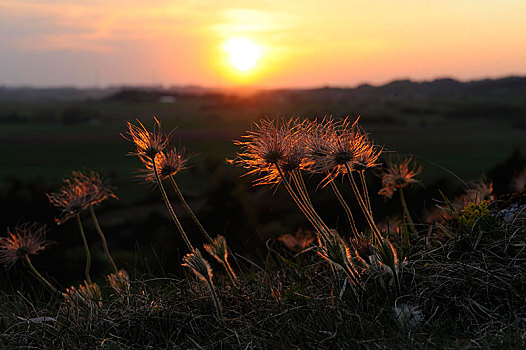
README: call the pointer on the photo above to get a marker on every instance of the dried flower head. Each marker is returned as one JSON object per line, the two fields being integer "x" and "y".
{"x": 167, "y": 163}
{"x": 272, "y": 143}
{"x": 319, "y": 137}
{"x": 26, "y": 239}
{"x": 88, "y": 294}
{"x": 79, "y": 192}
{"x": 347, "y": 145}
{"x": 368, "y": 156}
{"x": 297, "y": 242}
{"x": 148, "y": 143}
{"x": 119, "y": 282}
{"x": 398, "y": 175}
{"x": 335, "y": 148}
{"x": 195, "y": 262}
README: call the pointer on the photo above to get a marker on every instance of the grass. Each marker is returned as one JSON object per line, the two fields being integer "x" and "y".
{"x": 469, "y": 299}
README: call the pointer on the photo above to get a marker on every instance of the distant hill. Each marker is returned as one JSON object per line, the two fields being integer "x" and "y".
{"x": 506, "y": 89}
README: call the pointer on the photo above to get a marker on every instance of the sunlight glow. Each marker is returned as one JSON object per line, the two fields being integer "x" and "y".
{"x": 243, "y": 53}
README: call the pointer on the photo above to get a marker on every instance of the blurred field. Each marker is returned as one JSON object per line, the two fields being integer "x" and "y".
{"x": 48, "y": 139}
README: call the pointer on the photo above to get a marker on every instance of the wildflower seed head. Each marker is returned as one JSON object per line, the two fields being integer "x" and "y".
{"x": 167, "y": 163}
{"x": 79, "y": 192}
{"x": 87, "y": 293}
{"x": 397, "y": 175}
{"x": 272, "y": 143}
{"x": 350, "y": 148}
{"x": 318, "y": 137}
{"x": 26, "y": 239}
{"x": 195, "y": 262}
{"x": 368, "y": 156}
{"x": 218, "y": 248}
{"x": 148, "y": 143}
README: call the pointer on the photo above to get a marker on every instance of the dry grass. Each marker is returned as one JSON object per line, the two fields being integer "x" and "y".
{"x": 468, "y": 297}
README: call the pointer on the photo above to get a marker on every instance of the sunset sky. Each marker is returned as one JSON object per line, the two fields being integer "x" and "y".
{"x": 290, "y": 43}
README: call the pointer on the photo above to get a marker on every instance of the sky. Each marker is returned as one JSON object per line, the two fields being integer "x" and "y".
{"x": 308, "y": 43}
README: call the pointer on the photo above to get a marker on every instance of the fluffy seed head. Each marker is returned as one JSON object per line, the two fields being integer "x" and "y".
{"x": 79, "y": 192}
{"x": 195, "y": 262}
{"x": 25, "y": 239}
{"x": 148, "y": 143}
{"x": 319, "y": 137}
{"x": 168, "y": 163}
{"x": 335, "y": 148}
{"x": 273, "y": 142}
{"x": 398, "y": 175}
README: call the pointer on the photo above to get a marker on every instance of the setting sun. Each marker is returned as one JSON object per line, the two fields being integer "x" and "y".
{"x": 243, "y": 53}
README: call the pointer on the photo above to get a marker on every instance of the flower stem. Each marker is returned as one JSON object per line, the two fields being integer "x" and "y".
{"x": 304, "y": 195}
{"x": 38, "y": 275}
{"x": 368, "y": 215}
{"x": 86, "y": 249}
{"x": 230, "y": 271}
{"x": 189, "y": 210}
{"x": 345, "y": 208}
{"x": 103, "y": 239}
{"x": 214, "y": 296}
{"x": 406, "y": 210}
{"x": 302, "y": 205}
{"x": 365, "y": 191}
{"x": 170, "y": 209}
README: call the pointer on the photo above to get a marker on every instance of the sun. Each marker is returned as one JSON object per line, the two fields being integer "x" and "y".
{"x": 243, "y": 53}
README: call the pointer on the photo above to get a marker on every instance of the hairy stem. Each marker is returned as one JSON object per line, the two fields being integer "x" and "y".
{"x": 86, "y": 249}
{"x": 189, "y": 210}
{"x": 170, "y": 209}
{"x": 345, "y": 208}
{"x": 304, "y": 195}
{"x": 365, "y": 191}
{"x": 38, "y": 275}
{"x": 301, "y": 205}
{"x": 230, "y": 271}
{"x": 406, "y": 211}
{"x": 103, "y": 239}
{"x": 368, "y": 215}
{"x": 214, "y": 296}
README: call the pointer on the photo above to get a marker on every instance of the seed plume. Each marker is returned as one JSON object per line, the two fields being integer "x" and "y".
{"x": 26, "y": 239}
{"x": 148, "y": 143}
{"x": 79, "y": 192}
{"x": 398, "y": 175}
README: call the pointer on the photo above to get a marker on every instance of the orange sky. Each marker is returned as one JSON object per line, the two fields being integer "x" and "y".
{"x": 303, "y": 43}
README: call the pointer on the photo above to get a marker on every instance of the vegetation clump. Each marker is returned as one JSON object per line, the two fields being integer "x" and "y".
{"x": 455, "y": 281}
